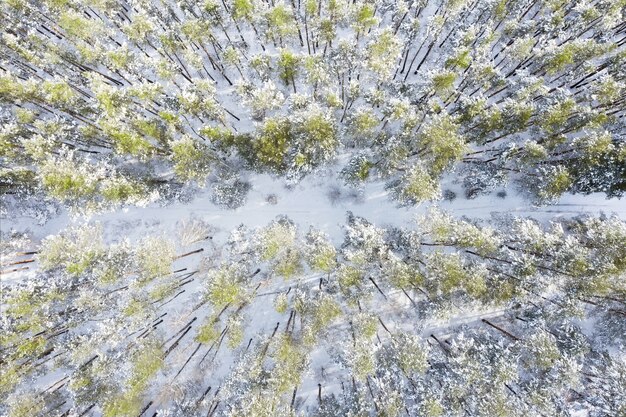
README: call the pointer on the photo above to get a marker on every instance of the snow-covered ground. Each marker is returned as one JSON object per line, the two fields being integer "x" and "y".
{"x": 321, "y": 201}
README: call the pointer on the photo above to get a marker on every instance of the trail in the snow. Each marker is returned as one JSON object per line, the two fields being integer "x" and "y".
{"x": 319, "y": 201}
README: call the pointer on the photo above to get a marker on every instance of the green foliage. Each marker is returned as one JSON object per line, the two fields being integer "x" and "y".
{"x": 272, "y": 143}
{"x": 191, "y": 160}
{"x": 140, "y": 28}
{"x": 145, "y": 364}
{"x": 462, "y": 59}
{"x": 443, "y": 142}
{"x": 135, "y": 308}
{"x": 288, "y": 263}
{"x": 452, "y": 275}
{"x": 58, "y": 92}
{"x": 362, "y": 361}
{"x": 8, "y": 147}
{"x": 320, "y": 252}
{"x": 154, "y": 258}
{"x": 363, "y": 170}
{"x": 243, "y": 9}
{"x": 608, "y": 90}
{"x": 119, "y": 59}
{"x": 562, "y": 58}
{"x": 327, "y": 30}
{"x": 291, "y": 362}
{"x": 364, "y": 121}
{"x": 225, "y": 287}
{"x": 444, "y": 82}
{"x": 65, "y": 180}
{"x": 74, "y": 24}
{"x": 325, "y": 310}
{"x": 124, "y": 405}
{"x": 557, "y": 180}
{"x": 76, "y": 250}
{"x": 10, "y": 87}
{"x": 571, "y": 52}
{"x": 120, "y": 190}
{"x": 127, "y": 142}
{"x": 231, "y": 56}
{"x": 218, "y": 135}
{"x": 348, "y": 276}
{"x": 310, "y": 7}
{"x": 411, "y": 354}
{"x": 280, "y": 21}
{"x": 444, "y": 228}
{"x": 27, "y": 405}
{"x": 163, "y": 290}
{"x": 317, "y": 138}
{"x": 169, "y": 118}
{"x": 9, "y": 378}
{"x": 364, "y": 17}
{"x": 209, "y": 332}
{"x": 281, "y": 303}
{"x": 432, "y": 407}
{"x": 401, "y": 275}
{"x": 365, "y": 326}
{"x": 533, "y": 152}
{"x": 150, "y": 127}
{"x": 196, "y": 30}
{"x": 113, "y": 101}
{"x": 104, "y": 106}
{"x": 556, "y": 116}
{"x": 24, "y": 303}
{"x": 213, "y": 9}
{"x": 31, "y": 347}
{"x": 518, "y": 116}
{"x": 418, "y": 186}
{"x": 16, "y": 4}
{"x": 288, "y": 63}
{"x": 36, "y": 147}
{"x": 277, "y": 236}
{"x": 383, "y": 52}
{"x": 542, "y": 351}
{"x": 235, "y": 331}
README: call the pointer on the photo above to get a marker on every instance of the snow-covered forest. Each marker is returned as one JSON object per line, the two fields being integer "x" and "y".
{"x": 284, "y": 208}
